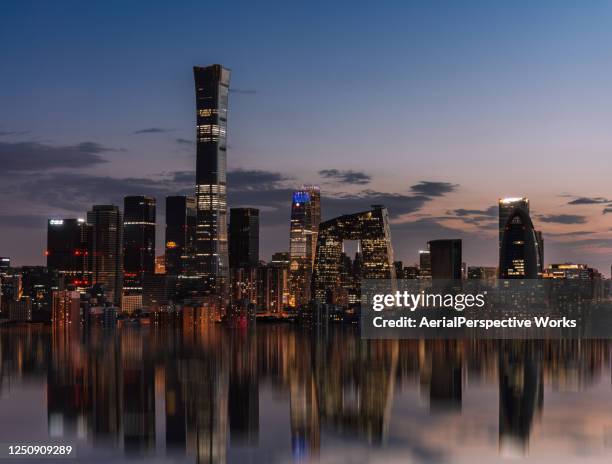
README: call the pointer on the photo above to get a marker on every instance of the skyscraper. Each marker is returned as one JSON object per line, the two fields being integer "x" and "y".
{"x": 212, "y": 89}
{"x": 244, "y": 237}
{"x": 371, "y": 228}
{"x": 519, "y": 254}
{"x": 305, "y": 219}
{"x": 68, "y": 250}
{"x": 106, "y": 249}
{"x": 424, "y": 264}
{"x": 138, "y": 240}
{"x": 446, "y": 259}
{"x": 506, "y": 207}
{"x": 180, "y": 235}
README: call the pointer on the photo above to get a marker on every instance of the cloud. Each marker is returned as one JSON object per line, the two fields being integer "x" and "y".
{"x": 153, "y": 130}
{"x": 490, "y": 212}
{"x": 576, "y": 233}
{"x": 346, "y": 177}
{"x": 589, "y": 201}
{"x": 562, "y": 218}
{"x": 433, "y": 189}
{"x": 35, "y": 156}
{"x": 182, "y": 141}
{"x": 606, "y": 211}
{"x": 12, "y": 133}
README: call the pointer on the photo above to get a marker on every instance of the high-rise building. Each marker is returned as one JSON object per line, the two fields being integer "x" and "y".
{"x": 107, "y": 249}
{"x": 138, "y": 240}
{"x": 424, "y": 264}
{"x": 305, "y": 219}
{"x": 212, "y": 89}
{"x": 180, "y": 235}
{"x": 519, "y": 256}
{"x": 507, "y": 206}
{"x": 68, "y": 250}
{"x": 5, "y": 264}
{"x": 445, "y": 258}
{"x": 244, "y": 237}
{"x": 371, "y": 228}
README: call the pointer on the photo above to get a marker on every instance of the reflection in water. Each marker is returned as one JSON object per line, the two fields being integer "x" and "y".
{"x": 196, "y": 392}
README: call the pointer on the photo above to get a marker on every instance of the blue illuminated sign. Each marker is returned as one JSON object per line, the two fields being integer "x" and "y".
{"x": 301, "y": 197}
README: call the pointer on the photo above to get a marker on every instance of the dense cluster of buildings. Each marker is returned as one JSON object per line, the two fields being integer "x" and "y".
{"x": 107, "y": 261}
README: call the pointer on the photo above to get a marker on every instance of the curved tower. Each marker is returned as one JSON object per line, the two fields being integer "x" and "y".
{"x": 519, "y": 255}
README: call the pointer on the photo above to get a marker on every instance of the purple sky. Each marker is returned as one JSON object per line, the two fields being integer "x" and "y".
{"x": 434, "y": 110}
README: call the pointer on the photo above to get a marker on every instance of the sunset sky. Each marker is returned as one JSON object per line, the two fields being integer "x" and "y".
{"x": 435, "y": 109}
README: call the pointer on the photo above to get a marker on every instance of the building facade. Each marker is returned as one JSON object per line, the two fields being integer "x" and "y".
{"x": 371, "y": 228}
{"x": 244, "y": 237}
{"x": 138, "y": 240}
{"x": 68, "y": 250}
{"x": 445, "y": 256}
{"x": 180, "y": 235}
{"x": 107, "y": 250}
{"x": 212, "y": 89}
{"x": 305, "y": 219}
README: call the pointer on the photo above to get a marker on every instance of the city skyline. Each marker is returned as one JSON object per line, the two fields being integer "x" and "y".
{"x": 450, "y": 130}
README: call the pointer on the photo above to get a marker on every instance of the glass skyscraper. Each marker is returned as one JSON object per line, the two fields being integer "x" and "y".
{"x": 138, "y": 240}
{"x": 371, "y": 228}
{"x": 68, "y": 246}
{"x": 519, "y": 254}
{"x": 244, "y": 237}
{"x": 305, "y": 219}
{"x": 212, "y": 89}
{"x": 107, "y": 250}
{"x": 180, "y": 235}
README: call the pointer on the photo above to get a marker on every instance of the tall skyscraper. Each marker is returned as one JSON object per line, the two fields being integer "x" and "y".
{"x": 138, "y": 240}
{"x": 107, "y": 249}
{"x": 446, "y": 261}
{"x": 180, "y": 235}
{"x": 244, "y": 237}
{"x": 212, "y": 89}
{"x": 305, "y": 219}
{"x": 519, "y": 254}
{"x": 68, "y": 250}
{"x": 424, "y": 264}
{"x": 371, "y": 228}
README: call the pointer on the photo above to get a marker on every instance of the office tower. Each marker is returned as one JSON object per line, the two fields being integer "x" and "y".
{"x": 519, "y": 255}
{"x": 305, "y": 219}
{"x": 212, "y": 88}
{"x": 107, "y": 250}
{"x": 244, "y": 237}
{"x": 424, "y": 264}
{"x": 180, "y": 235}
{"x": 271, "y": 282}
{"x": 138, "y": 240}
{"x": 68, "y": 251}
{"x": 445, "y": 258}
{"x": 371, "y": 228}
{"x": 5, "y": 264}
{"x": 66, "y": 307}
